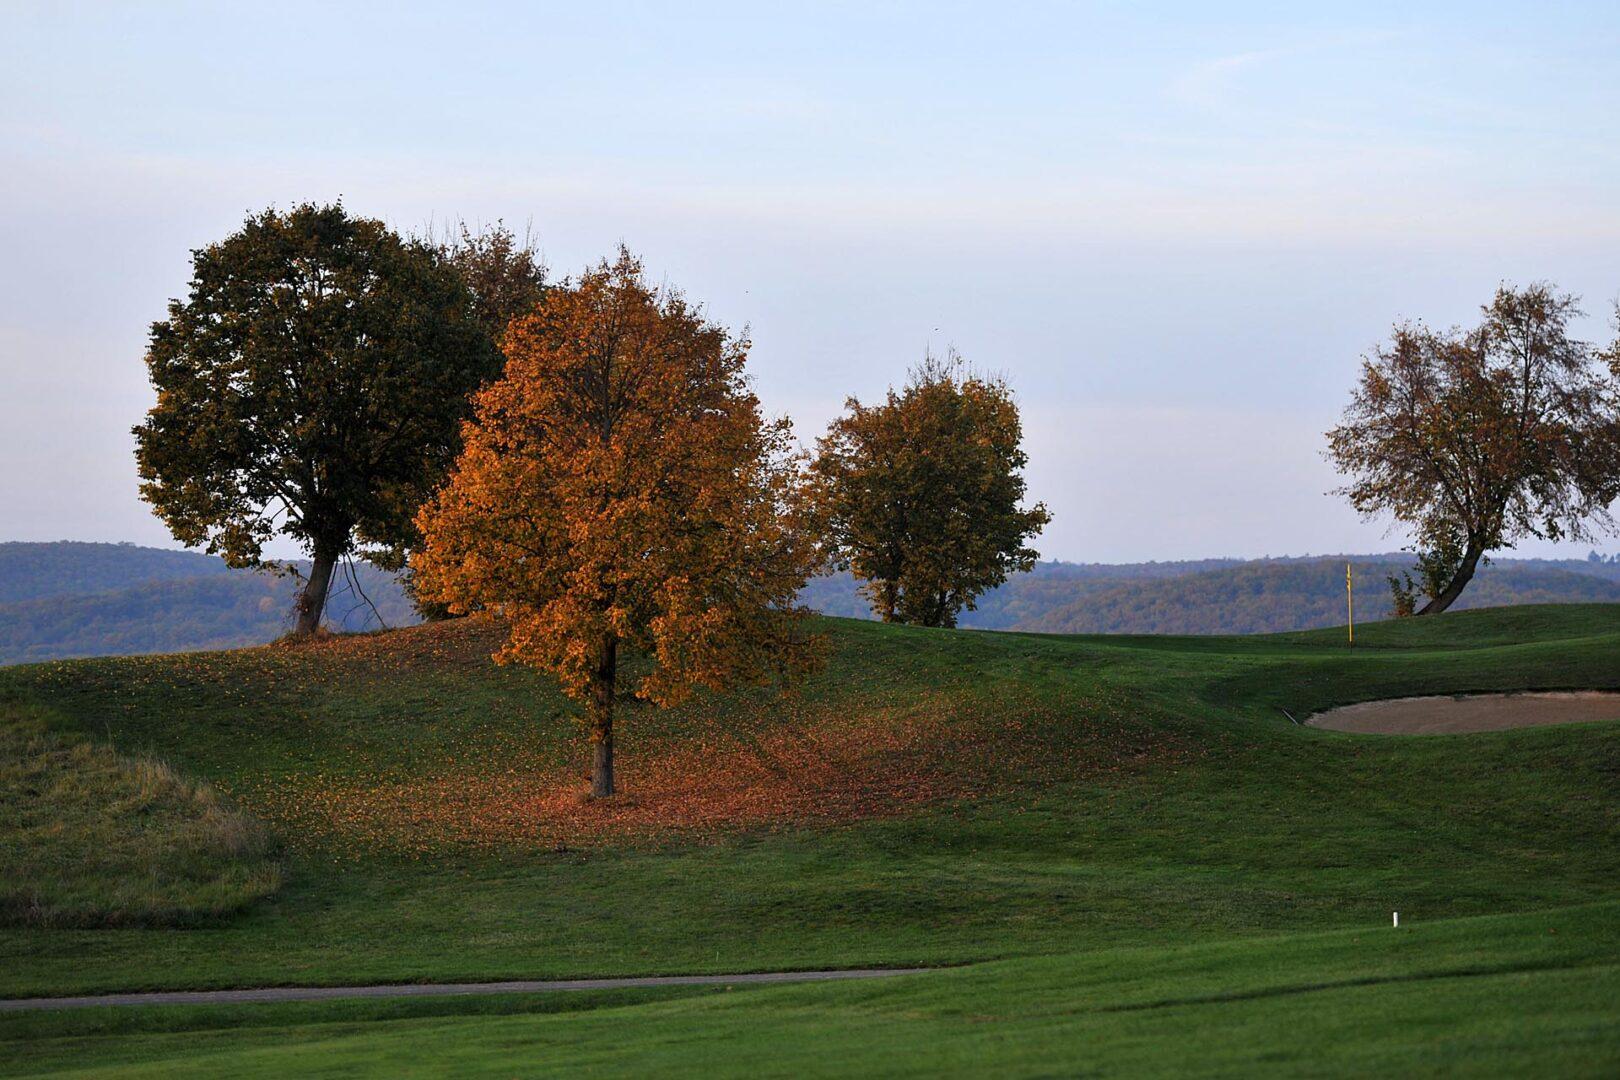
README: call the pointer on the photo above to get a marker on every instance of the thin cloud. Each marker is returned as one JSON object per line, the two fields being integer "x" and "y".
{"x": 1214, "y": 86}
{"x": 1208, "y": 85}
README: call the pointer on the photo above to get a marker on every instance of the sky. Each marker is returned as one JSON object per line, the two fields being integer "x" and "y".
{"x": 1175, "y": 230}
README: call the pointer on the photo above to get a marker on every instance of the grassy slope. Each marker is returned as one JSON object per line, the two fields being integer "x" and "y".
{"x": 1243, "y": 827}
{"x": 91, "y": 838}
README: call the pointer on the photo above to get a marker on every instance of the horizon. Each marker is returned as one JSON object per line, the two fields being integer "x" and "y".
{"x": 1175, "y": 233}
{"x": 1043, "y": 561}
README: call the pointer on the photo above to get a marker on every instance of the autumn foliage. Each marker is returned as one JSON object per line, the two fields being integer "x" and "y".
{"x": 921, "y": 493}
{"x": 619, "y": 490}
{"x": 1478, "y": 438}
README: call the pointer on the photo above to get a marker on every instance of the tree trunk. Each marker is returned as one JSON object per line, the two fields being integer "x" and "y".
{"x": 888, "y": 600}
{"x": 1459, "y": 581}
{"x": 602, "y": 689}
{"x": 312, "y": 600}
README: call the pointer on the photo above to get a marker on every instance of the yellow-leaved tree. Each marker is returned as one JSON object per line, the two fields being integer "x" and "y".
{"x": 620, "y": 490}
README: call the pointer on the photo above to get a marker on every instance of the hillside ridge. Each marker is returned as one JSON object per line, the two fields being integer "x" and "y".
{"x": 69, "y": 598}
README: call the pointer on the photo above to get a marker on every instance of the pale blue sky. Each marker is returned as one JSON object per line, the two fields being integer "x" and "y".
{"x": 1174, "y": 229}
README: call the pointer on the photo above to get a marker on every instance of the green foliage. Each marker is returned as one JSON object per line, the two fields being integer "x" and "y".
{"x": 1439, "y": 560}
{"x": 311, "y": 384}
{"x": 921, "y": 494}
{"x": 505, "y": 275}
{"x": 507, "y": 279}
{"x": 1403, "y": 595}
{"x": 1438, "y": 563}
{"x": 91, "y": 838}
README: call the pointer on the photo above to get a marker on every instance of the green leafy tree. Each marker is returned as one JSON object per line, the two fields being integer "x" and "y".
{"x": 505, "y": 272}
{"x": 921, "y": 494}
{"x": 312, "y": 384}
{"x": 507, "y": 278}
{"x": 1479, "y": 438}
{"x": 1438, "y": 559}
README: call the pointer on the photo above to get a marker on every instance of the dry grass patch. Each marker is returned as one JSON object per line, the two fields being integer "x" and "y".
{"x": 91, "y": 838}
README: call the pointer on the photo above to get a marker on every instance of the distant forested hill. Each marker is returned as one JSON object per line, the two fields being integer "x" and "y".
{"x": 33, "y": 571}
{"x": 1232, "y": 596}
{"x": 1023, "y": 598}
{"x": 71, "y": 599}
{"x": 1278, "y": 595}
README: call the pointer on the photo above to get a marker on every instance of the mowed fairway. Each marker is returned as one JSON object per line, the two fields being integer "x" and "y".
{"x": 1131, "y": 858}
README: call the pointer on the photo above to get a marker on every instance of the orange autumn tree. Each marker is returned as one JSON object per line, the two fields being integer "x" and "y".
{"x": 619, "y": 490}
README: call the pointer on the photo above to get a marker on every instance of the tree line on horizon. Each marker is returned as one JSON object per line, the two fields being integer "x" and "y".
{"x": 585, "y": 457}
{"x": 65, "y": 599}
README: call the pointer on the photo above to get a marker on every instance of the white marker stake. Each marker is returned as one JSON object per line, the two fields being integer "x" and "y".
{"x": 1397, "y": 920}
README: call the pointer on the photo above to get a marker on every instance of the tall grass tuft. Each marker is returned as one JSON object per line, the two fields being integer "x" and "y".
{"x": 91, "y": 838}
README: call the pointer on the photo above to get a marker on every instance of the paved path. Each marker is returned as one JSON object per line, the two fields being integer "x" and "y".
{"x": 525, "y": 986}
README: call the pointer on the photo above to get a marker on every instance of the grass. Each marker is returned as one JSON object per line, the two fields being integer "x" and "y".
{"x": 1031, "y": 805}
{"x": 91, "y": 838}
{"x": 1487, "y": 997}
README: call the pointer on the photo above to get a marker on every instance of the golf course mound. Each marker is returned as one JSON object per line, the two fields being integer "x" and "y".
{"x": 1466, "y": 713}
{"x": 415, "y": 742}
{"x": 93, "y": 838}
{"x": 1037, "y": 813}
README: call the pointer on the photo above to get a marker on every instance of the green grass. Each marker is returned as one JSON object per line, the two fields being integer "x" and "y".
{"x": 91, "y": 838}
{"x": 1526, "y": 994}
{"x": 1118, "y": 795}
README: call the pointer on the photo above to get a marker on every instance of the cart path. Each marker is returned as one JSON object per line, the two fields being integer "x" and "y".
{"x": 396, "y": 990}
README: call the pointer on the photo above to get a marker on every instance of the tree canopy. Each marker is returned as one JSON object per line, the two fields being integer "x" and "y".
{"x": 619, "y": 489}
{"x": 505, "y": 273}
{"x": 1478, "y": 438}
{"x": 921, "y": 493}
{"x": 311, "y": 384}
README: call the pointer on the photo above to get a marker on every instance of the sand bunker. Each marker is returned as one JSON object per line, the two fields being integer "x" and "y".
{"x": 1472, "y": 712}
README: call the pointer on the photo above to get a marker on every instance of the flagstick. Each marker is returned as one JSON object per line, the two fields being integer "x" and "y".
{"x": 1350, "y": 601}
